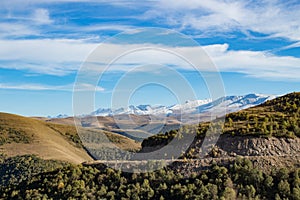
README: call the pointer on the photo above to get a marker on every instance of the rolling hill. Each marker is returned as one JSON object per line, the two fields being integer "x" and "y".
{"x": 136, "y": 127}
{"x": 22, "y": 135}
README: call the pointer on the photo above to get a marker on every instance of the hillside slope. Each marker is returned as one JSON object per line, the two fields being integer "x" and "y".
{"x": 270, "y": 129}
{"x": 279, "y": 117}
{"x": 21, "y": 135}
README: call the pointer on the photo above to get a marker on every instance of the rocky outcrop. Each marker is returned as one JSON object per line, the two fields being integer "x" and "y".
{"x": 258, "y": 146}
{"x": 232, "y": 146}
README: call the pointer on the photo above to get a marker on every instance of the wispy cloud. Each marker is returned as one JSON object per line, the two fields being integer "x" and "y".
{"x": 294, "y": 45}
{"x": 64, "y": 56}
{"x": 275, "y": 18}
{"x": 57, "y": 57}
{"x": 40, "y": 87}
{"x": 29, "y": 23}
{"x": 258, "y": 64}
{"x": 87, "y": 87}
{"x": 61, "y": 50}
{"x": 16, "y": 30}
{"x": 44, "y": 19}
{"x": 101, "y": 27}
{"x": 61, "y": 57}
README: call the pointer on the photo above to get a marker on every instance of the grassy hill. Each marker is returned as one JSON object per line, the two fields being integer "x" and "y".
{"x": 279, "y": 117}
{"x": 21, "y": 135}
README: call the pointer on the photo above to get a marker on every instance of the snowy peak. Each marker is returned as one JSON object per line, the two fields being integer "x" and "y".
{"x": 235, "y": 103}
{"x": 188, "y": 107}
{"x": 231, "y": 103}
{"x": 60, "y": 116}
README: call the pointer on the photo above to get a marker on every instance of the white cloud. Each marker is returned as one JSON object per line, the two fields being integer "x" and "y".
{"x": 39, "y": 87}
{"x": 41, "y": 16}
{"x": 87, "y": 87}
{"x": 258, "y": 64}
{"x": 295, "y": 45}
{"x": 16, "y": 30}
{"x": 275, "y": 18}
{"x": 58, "y": 57}
{"x": 14, "y": 25}
{"x": 45, "y": 50}
{"x": 33, "y": 87}
{"x": 61, "y": 57}
{"x": 99, "y": 27}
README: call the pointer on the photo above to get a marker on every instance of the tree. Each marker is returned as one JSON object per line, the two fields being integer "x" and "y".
{"x": 228, "y": 193}
{"x": 296, "y": 193}
{"x": 230, "y": 122}
{"x": 213, "y": 189}
{"x": 284, "y": 188}
{"x": 146, "y": 191}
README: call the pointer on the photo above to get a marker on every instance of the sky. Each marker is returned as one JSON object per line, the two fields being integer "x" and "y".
{"x": 46, "y": 46}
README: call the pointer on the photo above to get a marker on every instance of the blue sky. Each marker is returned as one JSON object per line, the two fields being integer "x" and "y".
{"x": 255, "y": 45}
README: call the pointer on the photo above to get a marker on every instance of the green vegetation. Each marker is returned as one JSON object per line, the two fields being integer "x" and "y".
{"x": 15, "y": 129}
{"x": 278, "y": 118}
{"x": 27, "y": 177}
{"x": 17, "y": 169}
{"x": 10, "y": 135}
{"x": 18, "y": 129}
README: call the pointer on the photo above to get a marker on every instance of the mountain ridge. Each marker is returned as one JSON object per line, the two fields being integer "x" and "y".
{"x": 232, "y": 103}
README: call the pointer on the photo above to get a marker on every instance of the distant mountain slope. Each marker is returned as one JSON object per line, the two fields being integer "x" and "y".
{"x": 21, "y": 135}
{"x": 232, "y": 104}
{"x": 131, "y": 126}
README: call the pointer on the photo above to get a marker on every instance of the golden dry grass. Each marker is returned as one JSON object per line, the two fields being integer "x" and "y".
{"x": 22, "y": 135}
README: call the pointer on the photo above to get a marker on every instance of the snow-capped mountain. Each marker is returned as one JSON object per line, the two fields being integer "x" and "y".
{"x": 235, "y": 103}
{"x": 60, "y": 116}
{"x": 230, "y": 103}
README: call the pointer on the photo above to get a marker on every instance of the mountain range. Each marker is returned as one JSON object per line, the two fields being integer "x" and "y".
{"x": 230, "y": 103}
